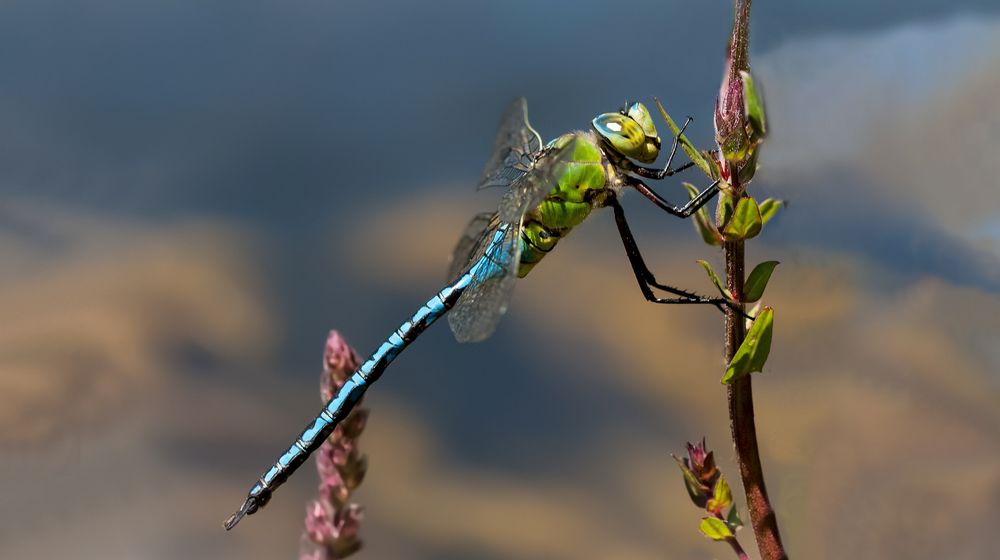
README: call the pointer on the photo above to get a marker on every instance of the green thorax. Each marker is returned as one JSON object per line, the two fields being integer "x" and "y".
{"x": 582, "y": 185}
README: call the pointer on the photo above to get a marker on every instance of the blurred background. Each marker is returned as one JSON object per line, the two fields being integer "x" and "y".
{"x": 193, "y": 193}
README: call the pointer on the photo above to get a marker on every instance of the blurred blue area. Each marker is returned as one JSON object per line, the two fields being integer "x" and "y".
{"x": 284, "y": 112}
{"x": 288, "y": 115}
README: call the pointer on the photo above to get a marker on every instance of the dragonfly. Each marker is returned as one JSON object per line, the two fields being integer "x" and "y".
{"x": 549, "y": 190}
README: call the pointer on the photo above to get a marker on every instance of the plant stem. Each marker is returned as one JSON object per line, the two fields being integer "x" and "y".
{"x": 739, "y": 46}
{"x": 740, "y": 553}
{"x": 762, "y": 517}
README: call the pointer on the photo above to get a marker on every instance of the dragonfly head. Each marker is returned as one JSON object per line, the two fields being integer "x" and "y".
{"x": 631, "y": 132}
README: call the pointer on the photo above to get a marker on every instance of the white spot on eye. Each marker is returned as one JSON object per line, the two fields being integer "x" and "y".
{"x": 614, "y": 126}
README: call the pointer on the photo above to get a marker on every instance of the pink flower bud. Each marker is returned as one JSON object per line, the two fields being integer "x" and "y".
{"x": 339, "y": 362}
{"x": 702, "y": 463}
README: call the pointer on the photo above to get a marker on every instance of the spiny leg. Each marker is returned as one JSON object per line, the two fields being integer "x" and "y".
{"x": 645, "y": 277}
{"x": 692, "y": 205}
{"x": 651, "y": 173}
{"x": 685, "y": 211}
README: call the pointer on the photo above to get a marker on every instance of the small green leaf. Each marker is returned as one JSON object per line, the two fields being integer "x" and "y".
{"x": 696, "y": 490}
{"x": 715, "y": 279}
{"x": 733, "y": 518}
{"x": 735, "y": 145}
{"x": 715, "y": 171}
{"x": 722, "y": 496}
{"x": 752, "y": 354}
{"x": 724, "y": 209}
{"x": 749, "y": 167}
{"x": 745, "y": 223}
{"x": 753, "y": 104}
{"x": 769, "y": 208}
{"x": 709, "y": 233}
{"x": 715, "y": 529}
{"x": 757, "y": 281}
{"x": 686, "y": 144}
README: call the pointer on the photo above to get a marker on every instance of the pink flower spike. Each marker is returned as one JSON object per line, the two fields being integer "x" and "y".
{"x": 338, "y": 356}
{"x": 319, "y": 527}
{"x": 349, "y": 523}
{"x": 333, "y": 523}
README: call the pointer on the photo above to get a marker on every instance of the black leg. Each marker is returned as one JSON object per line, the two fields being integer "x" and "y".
{"x": 658, "y": 174}
{"x": 646, "y": 279}
{"x": 685, "y": 211}
{"x": 650, "y": 173}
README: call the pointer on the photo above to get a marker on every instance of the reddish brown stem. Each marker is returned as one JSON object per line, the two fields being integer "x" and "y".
{"x": 739, "y": 46}
{"x": 737, "y": 548}
{"x": 741, "y": 418}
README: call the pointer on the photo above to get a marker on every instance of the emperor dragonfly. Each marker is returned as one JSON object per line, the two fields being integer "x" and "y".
{"x": 550, "y": 190}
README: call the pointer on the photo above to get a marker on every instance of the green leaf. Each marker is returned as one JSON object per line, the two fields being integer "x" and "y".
{"x": 745, "y": 223}
{"x": 713, "y": 165}
{"x": 709, "y": 233}
{"x": 752, "y": 354}
{"x": 753, "y": 104}
{"x": 715, "y": 529}
{"x": 715, "y": 279}
{"x": 733, "y": 518}
{"x": 735, "y": 145}
{"x": 686, "y": 144}
{"x": 752, "y": 313}
{"x": 722, "y": 496}
{"x": 724, "y": 209}
{"x": 769, "y": 208}
{"x": 749, "y": 167}
{"x": 757, "y": 281}
{"x": 696, "y": 490}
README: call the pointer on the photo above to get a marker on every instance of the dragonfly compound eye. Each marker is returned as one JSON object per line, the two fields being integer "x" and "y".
{"x": 640, "y": 114}
{"x": 628, "y": 136}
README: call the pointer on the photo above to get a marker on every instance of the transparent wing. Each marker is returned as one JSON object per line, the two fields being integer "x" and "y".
{"x": 465, "y": 251}
{"x": 541, "y": 179}
{"x": 484, "y": 302}
{"x": 515, "y": 145}
{"x": 478, "y": 311}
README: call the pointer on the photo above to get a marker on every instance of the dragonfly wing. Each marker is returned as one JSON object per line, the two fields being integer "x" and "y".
{"x": 514, "y": 148}
{"x": 497, "y": 254}
{"x": 465, "y": 251}
{"x": 543, "y": 177}
{"x": 477, "y": 313}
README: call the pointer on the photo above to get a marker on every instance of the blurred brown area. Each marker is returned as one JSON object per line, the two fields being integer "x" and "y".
{"x": 94, "y": 306}
{"x": 877, "y": 412}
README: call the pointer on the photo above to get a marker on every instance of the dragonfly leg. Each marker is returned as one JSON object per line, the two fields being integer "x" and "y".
{"x": 651, "y": 173}
{"x": 646, "y": 279}
{"x": 685, "y": 211}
